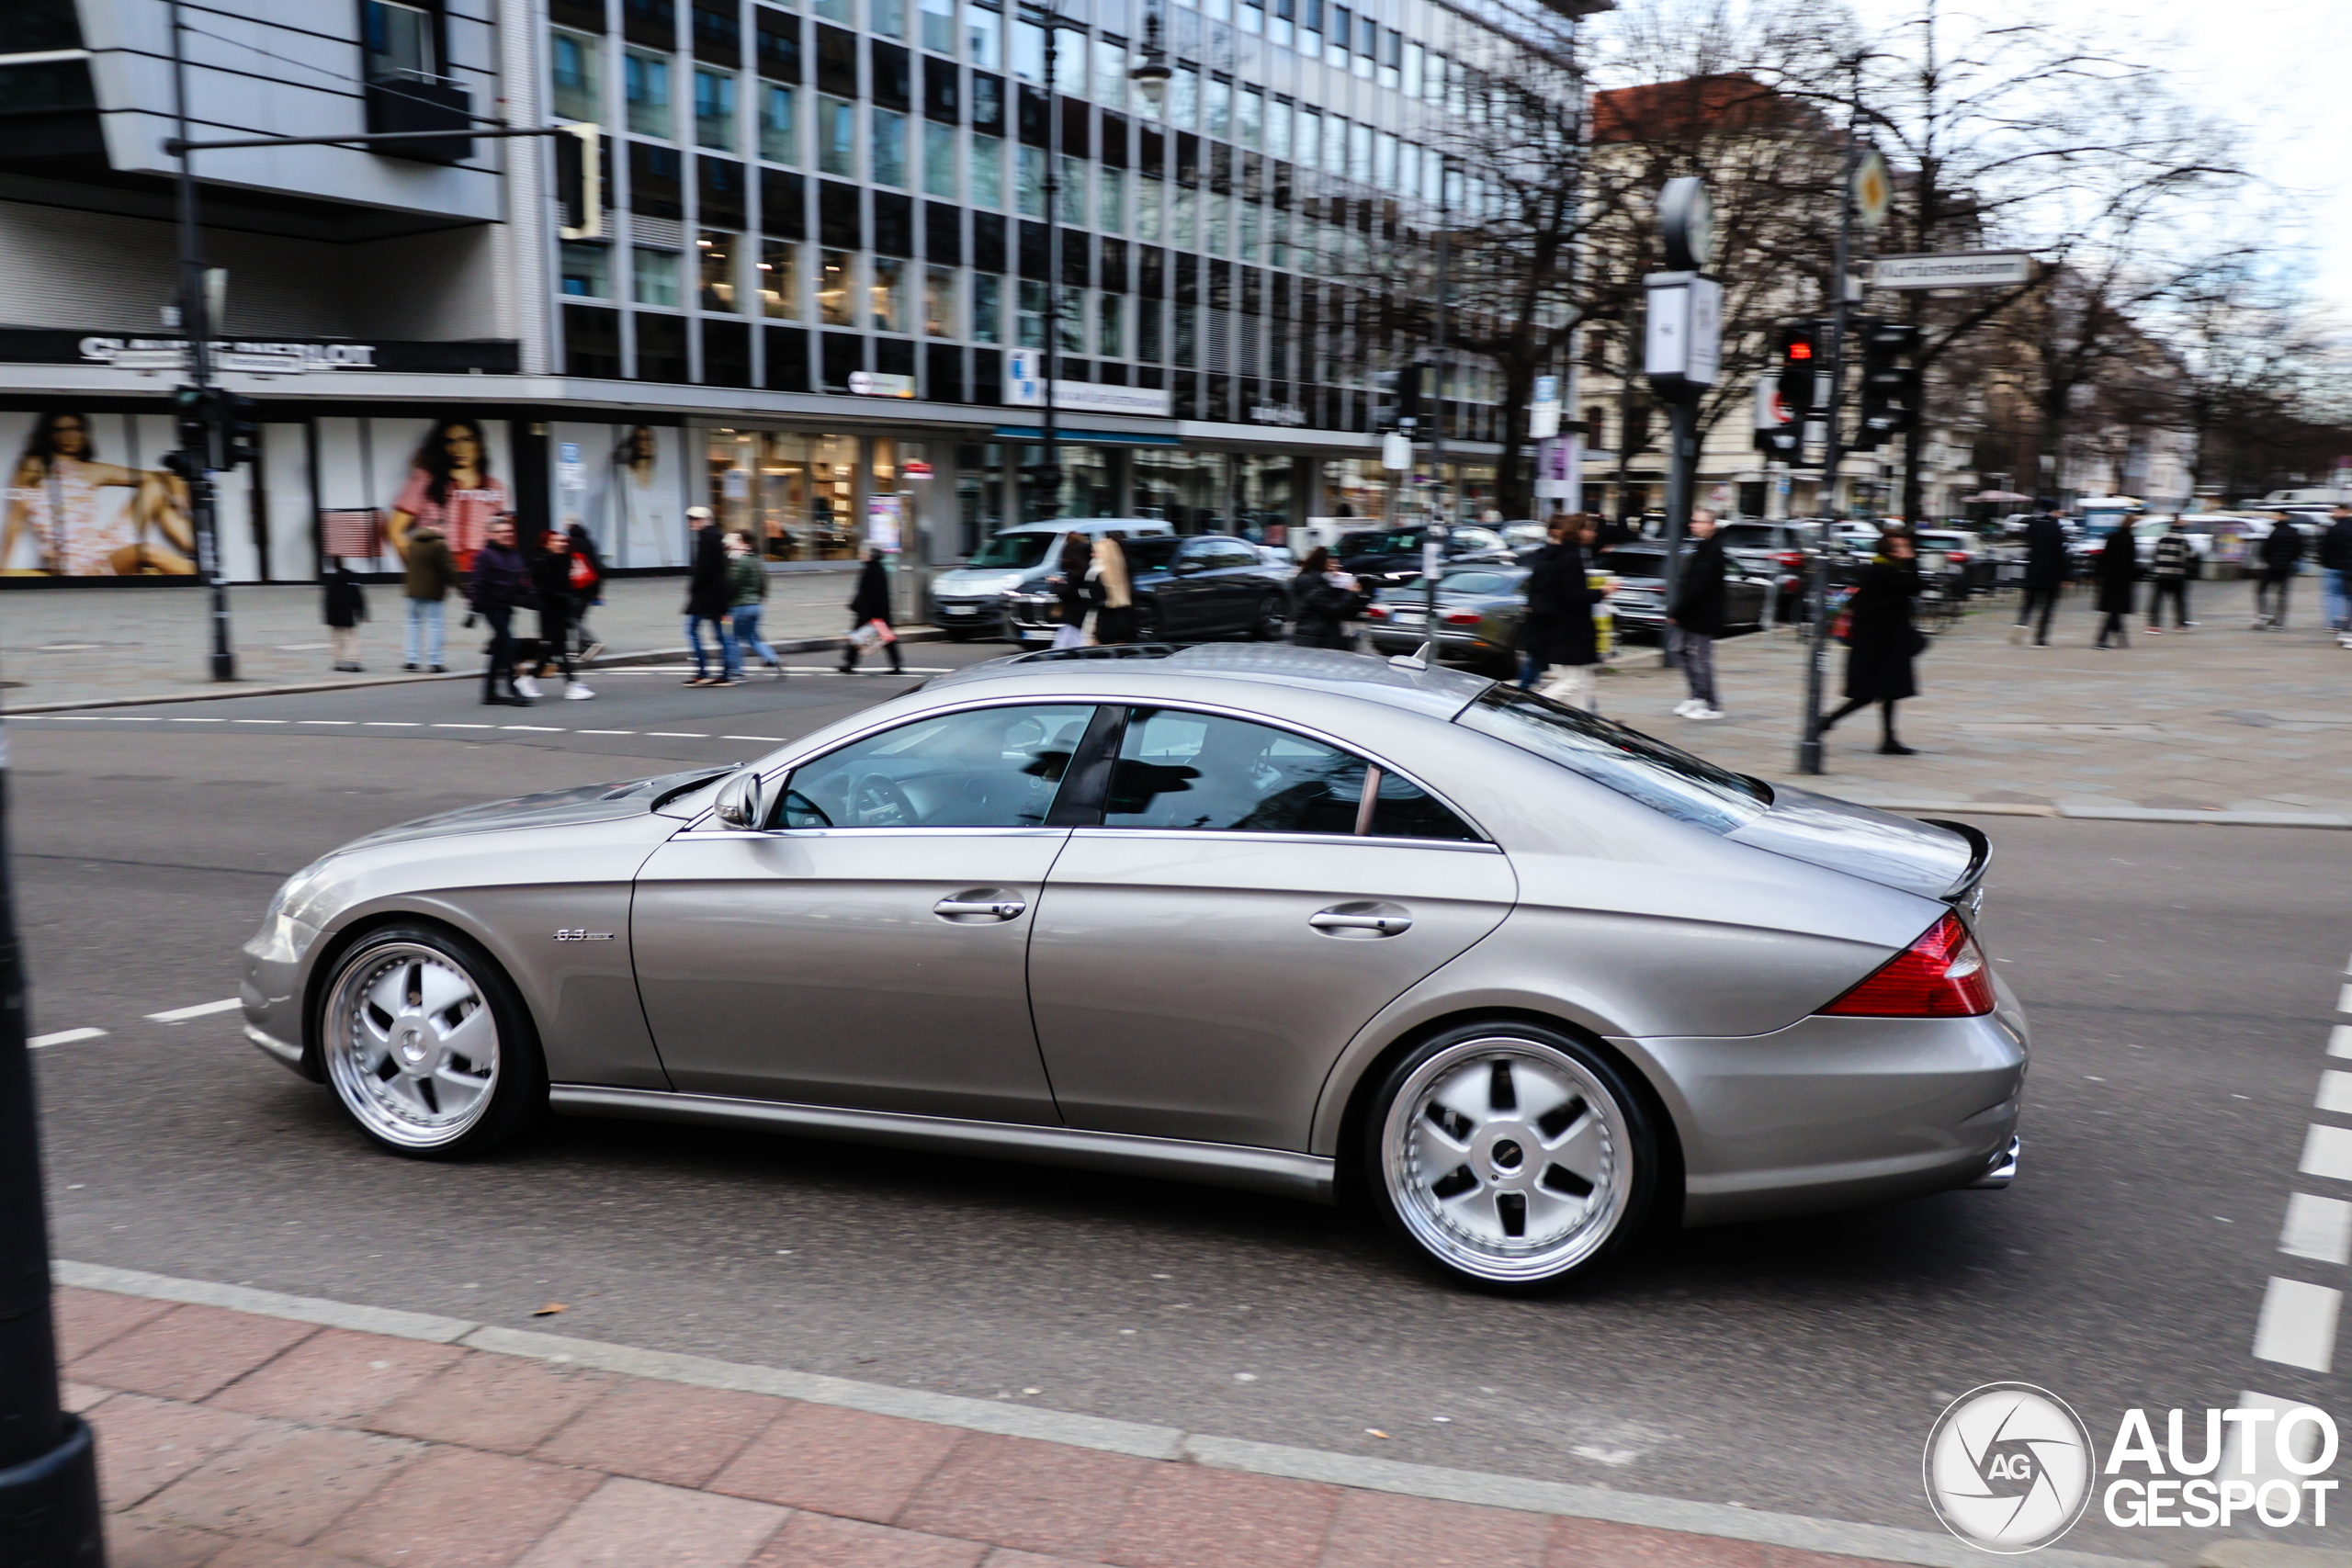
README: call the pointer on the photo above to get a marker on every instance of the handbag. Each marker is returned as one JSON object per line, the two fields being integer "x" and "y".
{"x": 582, "y": 574}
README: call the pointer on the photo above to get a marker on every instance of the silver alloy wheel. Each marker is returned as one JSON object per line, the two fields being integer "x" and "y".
{"x": 1507, "y": 1159}
{"x": 411, "y": 1044}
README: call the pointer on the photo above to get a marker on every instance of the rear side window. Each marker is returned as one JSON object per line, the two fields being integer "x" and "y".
{"x": 1687, "y": 788}
{"x": 1207, "y": 773}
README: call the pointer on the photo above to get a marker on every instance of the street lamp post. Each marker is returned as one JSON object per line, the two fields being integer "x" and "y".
{"x": 1833, "y": 454}
{"x": 195, "y": 321}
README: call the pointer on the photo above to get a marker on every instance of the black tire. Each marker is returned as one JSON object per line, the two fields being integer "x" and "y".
{"x": 1573, "y": 1119}
{"x": 516, "y": 1092}
{"x": 1272, "y": 619}
{"x": 1145, "y": 626}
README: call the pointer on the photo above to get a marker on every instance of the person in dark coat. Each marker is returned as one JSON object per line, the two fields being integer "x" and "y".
{"x": 2047, "y": 568}
{"x": 1696, "y": 617}
{"x": 707, "y": 592}
{"x": 1880, "y": 639}
{"x": 871, "y": 602}
{"x": 1559, "y": 638}
{"x": 2282, "y": 557}
{"x": 346, "y": 608}
{"x": 1068, "y": 584}
{"x": 2117, "y": 572}
{"x": 1322, "y": 602}
{"x": 551, "y": 575}
{"x": 2335, "y": 564}
{"x": 499, "y": 584}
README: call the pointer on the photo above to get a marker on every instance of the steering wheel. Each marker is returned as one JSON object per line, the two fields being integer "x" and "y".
{"x": 876, "y": 801}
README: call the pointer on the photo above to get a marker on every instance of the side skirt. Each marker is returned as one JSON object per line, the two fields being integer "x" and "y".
{"x": 1278, "y": 1171}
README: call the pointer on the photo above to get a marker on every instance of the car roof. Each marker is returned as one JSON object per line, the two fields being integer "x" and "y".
{"x": 1091, "y": 525}
{"x": 1141, "y": 672}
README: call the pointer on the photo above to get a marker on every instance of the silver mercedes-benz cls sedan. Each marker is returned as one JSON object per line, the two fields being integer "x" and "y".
{"x": 1281, "y": 918}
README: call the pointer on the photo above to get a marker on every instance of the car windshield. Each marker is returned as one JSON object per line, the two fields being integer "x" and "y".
{"x": 1682, "y": 786}
{"x": 1480, "y": 582}
{"x": 1010, "y": 550}
{"x": 1381, "y": 542}
{"x": 1634, "y": 563}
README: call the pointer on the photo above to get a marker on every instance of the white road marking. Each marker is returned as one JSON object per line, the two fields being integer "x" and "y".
{"x": 461, "y": 727}
{"x": 81, "y": 717}
{"x": 2327, "y": 1151}
{"x": 326, "y": 721}
{"x": 2339, "y": 1040}
{"x": 393, "y": 723}
{"x": 136, "y": 718}
{"x": 181, "y": 1015}
{"x": 2298, "y": 1325}
{"x": 2317, "y": 1228}
{"x": 2335, "y": 1093}
{"x": 65, "y": 1037}
{"x": 257, "y": 721}
{"x": 677, "y": 735}
{"x": 536, "y": 728}
{"x": 2348, "y": 1052}
{"x": 778, "y": 740}
{"x": 2344, "y": 1000}
{"x": 176, "y": 719}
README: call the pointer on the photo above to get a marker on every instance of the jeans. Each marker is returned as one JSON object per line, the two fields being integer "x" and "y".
{"x": 502, "y": 651}
{"x": 729, "y": 659}
{"x": 1569, "y": 683}
{"x": 747, "y": 635}
{"x": 2337, "y": 584}
{"x": 2271, "y": 596}
{"x": 2173, "y": 588}
{"x": 423, "y": 643}
{"x": 2046, "y": 600}
{"x": 1696, "y": 654}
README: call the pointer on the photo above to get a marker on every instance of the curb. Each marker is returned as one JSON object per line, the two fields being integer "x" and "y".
{"x": 1885, "y": 1543}
{"x": 609, "y": 662}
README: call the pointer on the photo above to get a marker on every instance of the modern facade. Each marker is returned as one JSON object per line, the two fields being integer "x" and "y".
{"x": 825, "y": 228}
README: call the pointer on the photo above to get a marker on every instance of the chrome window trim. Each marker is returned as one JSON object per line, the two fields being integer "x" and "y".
{"x": 1233, "y": 835}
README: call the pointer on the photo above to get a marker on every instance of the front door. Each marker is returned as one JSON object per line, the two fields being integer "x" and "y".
{"x": 1200, "y": 959}
{"x": 868, "y": 948}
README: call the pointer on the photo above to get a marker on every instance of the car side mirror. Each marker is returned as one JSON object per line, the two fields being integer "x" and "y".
{"x": 738, "y": 805}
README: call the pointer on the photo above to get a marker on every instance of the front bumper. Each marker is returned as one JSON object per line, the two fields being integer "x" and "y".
{"x": 952, "y": 612}
{"x": 271, "y": 990}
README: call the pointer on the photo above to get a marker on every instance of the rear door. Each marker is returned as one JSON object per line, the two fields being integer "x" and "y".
{"x": 1199, "y": 960}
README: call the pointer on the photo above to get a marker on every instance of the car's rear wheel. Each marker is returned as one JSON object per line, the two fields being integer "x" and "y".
{"x": 1145, "y": 624}
{"x": 1273, "y": 616}
{"x": 1510, "y": 1156}
{"x": 427, "y": 1044}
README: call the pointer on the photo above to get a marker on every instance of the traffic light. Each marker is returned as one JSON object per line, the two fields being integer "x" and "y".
{"x": 1409, "y": 395}
{"x": 580, "y": 182}
{"x": 1803, "y": 356}
{"x": 1396, "y": 397}
{"x": 1780, "y": 429}
{"x": 1890, "y": 385}
{"x": 192, "y": 428}
{"x": 240, "y": 428}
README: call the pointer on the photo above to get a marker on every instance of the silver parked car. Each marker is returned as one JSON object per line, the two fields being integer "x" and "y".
{"x": 1286, "y": 920}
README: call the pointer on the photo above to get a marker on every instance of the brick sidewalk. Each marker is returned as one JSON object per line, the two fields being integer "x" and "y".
{"x": 239, "y": 1440}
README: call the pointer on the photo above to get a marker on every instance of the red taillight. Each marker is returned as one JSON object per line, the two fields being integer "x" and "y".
{"x": 1943, "y": 975}
{"x": 1375, "y": 611}
{"x": 1463, "y": 618}
{"x": 1791, "y": 558}
{"x": 1955, "y": 555}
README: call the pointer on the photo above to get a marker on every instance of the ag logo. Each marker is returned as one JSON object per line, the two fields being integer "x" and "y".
{"x": 2008, "y": 1467}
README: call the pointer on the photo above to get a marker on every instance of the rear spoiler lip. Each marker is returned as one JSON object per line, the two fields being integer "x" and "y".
{"x": 1969, "y": 888}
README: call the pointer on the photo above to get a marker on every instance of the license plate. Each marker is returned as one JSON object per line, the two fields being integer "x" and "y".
{"x": 1932, "y": 562}
{"x": 958, "y": 610}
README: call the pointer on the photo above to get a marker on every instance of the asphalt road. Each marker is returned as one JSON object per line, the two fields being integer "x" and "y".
{"x": 2180, "y": 980}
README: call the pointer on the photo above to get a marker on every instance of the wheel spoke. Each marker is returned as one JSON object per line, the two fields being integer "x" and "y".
{"x": 440, "y": 988}
{"x": 475, "y": 1038}
{"x": 1583, "y": 1149}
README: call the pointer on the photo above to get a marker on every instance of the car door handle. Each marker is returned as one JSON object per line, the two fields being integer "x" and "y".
{"x": 980, "y": 903}
{"x": 1360, "y": 921}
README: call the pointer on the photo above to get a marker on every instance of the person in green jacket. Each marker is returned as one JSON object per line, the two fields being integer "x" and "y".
{"x": 747, "y": 590}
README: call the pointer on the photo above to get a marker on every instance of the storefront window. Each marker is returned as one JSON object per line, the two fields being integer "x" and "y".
{"x": 656, "y": 278}
{"x": 793, "y": 494}
{"x": 1181, "y": 487}
{"x": 780, "y": 279}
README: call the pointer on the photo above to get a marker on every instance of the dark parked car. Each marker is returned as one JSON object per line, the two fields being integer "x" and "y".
{"x": 1384, "y": 557}
{"x": 1639, "y": 603}
{"x": 1774, "y": 551}
{"x": 1211, "y": 586}
{"x": 1479, "y": 612}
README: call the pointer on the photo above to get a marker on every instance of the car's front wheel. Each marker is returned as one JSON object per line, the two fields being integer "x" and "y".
{"x": 1273, "y": 615}
{"x": 1510, "y": 1156}
{"x": 427, "y": 1044}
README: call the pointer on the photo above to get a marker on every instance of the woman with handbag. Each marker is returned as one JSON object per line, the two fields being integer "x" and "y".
{"x": 1323, "y": 600}
{"x": 869, "y": 615}
{"x": 1881, "y": 641}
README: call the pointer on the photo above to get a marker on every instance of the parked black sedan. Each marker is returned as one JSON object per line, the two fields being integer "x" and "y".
{"x": 1639, "y": 603}
{"x": 1384, "y": 557}
{"x": 1211, "y": 586}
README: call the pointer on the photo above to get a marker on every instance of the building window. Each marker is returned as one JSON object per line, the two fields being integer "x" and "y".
{"x": 985, "y": 29}
{"x": 939, "y": 301}
{"x": 1029, "y": 180}
{"x": 1360, "y": 153}
{"x": 1147, "y": 225}
{"x": 780, "y": 279}
{"x": 1250, "y": 220}
{"x": 1110, "y": 75}
{"x": 889, "y": 147}
{"x": 577, "y": 65}
{"x": 1220, "y": 108}
{"x": 887, "y": 299}
{"x": 939, "y": 26}
{"x": 1181, "y": 228}
{"x": 645, "y": 76}
{"x": 837, "y": 137}
{"x": 1029, "y": 51}
{"x": 1112, "y": 205}
{"x": 400, "y": 43}
{"x": 715, "y": 109}
{"x": 1214, "y": 211}
{"x": 1148, "y": 344}
{"x": 1070, "y": 197}
{"x": 842, "y": 11}
{"x": 1110, "y": 335}
{"x": 988, "y": 172}
{"x": 835, "y": 306}
{"x": 656, "y": 278}
{"x": 1184, "y": 96}
{"x": 888, "y": 17}
{"x": 585, "y": 270}
{"x": 1030, "y": 330}
{"x": 939, "y": 160}
{"x": 779, "y": 133}
{"x": 988, "y": 308}
{"x": 718, "y": 269}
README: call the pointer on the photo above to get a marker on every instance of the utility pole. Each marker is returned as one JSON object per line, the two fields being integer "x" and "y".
{"x": 194, "y": 313}
{"x": 1681, "y": 352}
{"x": 49, "y": 1472}
{"x": 1050, "y": 476}
{"x": 1833, "y": 448}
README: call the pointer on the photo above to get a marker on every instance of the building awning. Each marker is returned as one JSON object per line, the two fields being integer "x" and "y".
{"x": 1094, "y": 437}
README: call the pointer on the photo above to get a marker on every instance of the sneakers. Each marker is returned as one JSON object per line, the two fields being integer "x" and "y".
{"x": 2017, "y": 634}
{"x": 700, "y": 680}
{"x": 528, "y": 686}
{"x": 1705, "y": 713}
{"x": 2156, "y": 631}
{"x": 574, "y": 691}
{"x": 1683, "y": 708}
{"x": 439, "y": 670}
{"x": 410, "y": 665}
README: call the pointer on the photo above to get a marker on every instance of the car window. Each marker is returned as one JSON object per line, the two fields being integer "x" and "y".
{"x": 1634, "y": 563}
{"x": 1482, "y": 582}
{"x": 1477, "y": 539}
{"x": 1197, "y": 771}
{"x": 1682, "y": 786}
{"x": 983, "y": 768}
{"x": 1381, "y": 542}
{"x": 1148, "y": 555}
{"x": 1748, "y": 536}
{"x": 1235, "y": 552}
{"x": 1013, "y": 550}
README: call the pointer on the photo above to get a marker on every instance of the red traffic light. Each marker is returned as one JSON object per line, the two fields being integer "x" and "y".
{"x": 1799, "y": 350}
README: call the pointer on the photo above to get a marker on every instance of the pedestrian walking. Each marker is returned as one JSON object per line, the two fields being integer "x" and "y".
{"x": 2047, "y": 568}
{"x": 707, "y": 595}
{"x": 1068, "y": 584}
{"x": 1111, "y": 592}
{"x": 551, "y": 575}
{"x": 2336, "y": 563}
{"x": 869, "y": 615}
{"x": 1560, "y": 642}
{"x": 430, "y": 571}
{"x": 499, "y": 584}
{"x": 346, "y": 608}
{"x": 2171, "y": 564}
{"x": 1696, "y": 617}
{"x": 2282, "y": 557}
{"x": 587, "y": 588}
{"x": 1881, "y": 641}
{"x": 747, "y": 585}
{"x": 2116, "y": 572}
{"x": 1323, "y": 600}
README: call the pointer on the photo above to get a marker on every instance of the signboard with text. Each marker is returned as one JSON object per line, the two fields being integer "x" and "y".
{"x": 1025, "y": 389}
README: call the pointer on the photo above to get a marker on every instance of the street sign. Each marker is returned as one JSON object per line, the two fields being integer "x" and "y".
{"x": 1960, "y": 269}
{"x": 1873, "y": 190}
{"x": 1543, "y": 408}
{"x": 878, "y": 384}
{"x": 1396, "y": 451}
{"x": 1555, "y": 469}
{"x": 1683, "y": 345}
